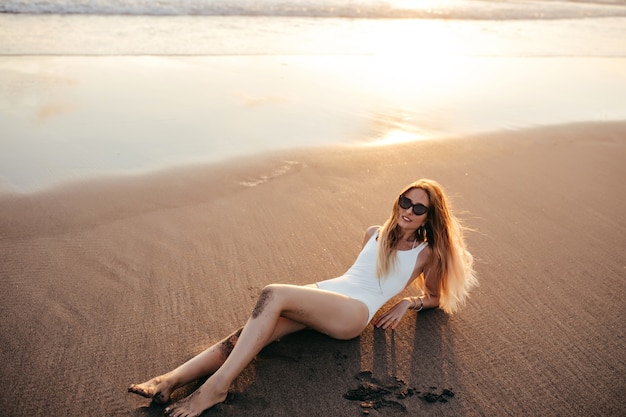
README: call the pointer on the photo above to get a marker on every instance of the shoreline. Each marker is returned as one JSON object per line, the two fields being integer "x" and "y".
{"x": 60, "y": 124}
{"x": 253, "y": 169}
{"x": 125, "y": 193}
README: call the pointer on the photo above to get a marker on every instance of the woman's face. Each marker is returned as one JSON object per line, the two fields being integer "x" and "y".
{"x": 406, "y": 216}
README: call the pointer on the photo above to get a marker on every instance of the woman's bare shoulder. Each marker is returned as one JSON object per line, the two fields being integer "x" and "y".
{"x": 369, "y": 232}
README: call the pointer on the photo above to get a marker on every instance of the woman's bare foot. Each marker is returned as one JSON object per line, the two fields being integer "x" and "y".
{"x": 203, "y": 399}
{"x": 158, "y": 389}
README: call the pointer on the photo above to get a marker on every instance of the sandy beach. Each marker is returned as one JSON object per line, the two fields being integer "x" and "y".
{"x": 108, "y": 282}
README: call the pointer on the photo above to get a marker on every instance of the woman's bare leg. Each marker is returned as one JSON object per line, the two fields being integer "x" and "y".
{"x": 161, "y": 387}
{"x": 333, "y": 314}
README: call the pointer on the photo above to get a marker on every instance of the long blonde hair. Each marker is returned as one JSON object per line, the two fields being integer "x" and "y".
{"x": 451, "y": 262}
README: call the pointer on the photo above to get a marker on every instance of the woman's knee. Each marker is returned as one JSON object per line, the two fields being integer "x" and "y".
{"x": 268, "y": 294}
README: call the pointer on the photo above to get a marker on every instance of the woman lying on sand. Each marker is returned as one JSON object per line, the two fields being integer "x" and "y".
{"x": 421, "y": 241}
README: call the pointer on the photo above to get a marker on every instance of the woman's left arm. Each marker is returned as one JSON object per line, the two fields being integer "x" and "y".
{"x": 392, "y": 317}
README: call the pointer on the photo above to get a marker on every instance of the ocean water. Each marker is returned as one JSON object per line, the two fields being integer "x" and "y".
{"x": 106, "y": 87}
{"x": 449, "y": 9}
{"x": 305, "y": 27}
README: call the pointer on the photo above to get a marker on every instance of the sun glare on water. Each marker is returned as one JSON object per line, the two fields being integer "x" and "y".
{"x": 394, "y": 137}
{"x": 402, "y": 74}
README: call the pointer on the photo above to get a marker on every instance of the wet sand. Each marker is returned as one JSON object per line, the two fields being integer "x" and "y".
{"x": 112, "y": 281}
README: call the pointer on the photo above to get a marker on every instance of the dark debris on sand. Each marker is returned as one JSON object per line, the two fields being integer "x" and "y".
{"x": 374, "y": 393}
{"x": 433, "y": 397}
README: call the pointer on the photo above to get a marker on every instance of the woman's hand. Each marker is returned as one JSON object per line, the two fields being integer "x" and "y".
{"x": 392, "y": 317}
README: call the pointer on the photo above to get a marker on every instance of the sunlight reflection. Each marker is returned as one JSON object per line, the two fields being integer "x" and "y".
{"x": 392, "y": 127}
{"x": 397, "y": 136}
{"x": 410, "y": 39}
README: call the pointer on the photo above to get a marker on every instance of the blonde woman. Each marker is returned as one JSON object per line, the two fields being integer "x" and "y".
{"x": 421, "y": 242}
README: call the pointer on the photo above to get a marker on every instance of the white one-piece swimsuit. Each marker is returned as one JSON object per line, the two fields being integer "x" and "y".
{"x": 361, "y": 283}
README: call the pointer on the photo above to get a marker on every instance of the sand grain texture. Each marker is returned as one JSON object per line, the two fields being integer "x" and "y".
{"x": 112, "y": 281}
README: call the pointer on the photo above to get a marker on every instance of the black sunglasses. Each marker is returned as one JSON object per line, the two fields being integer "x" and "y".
{"x": 406, "y": 203}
